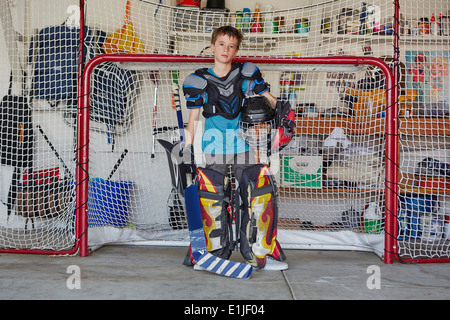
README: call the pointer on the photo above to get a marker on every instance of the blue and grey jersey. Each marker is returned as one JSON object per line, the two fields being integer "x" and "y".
{"x": 221, "y": 99}
{"x": 223, "y": 95}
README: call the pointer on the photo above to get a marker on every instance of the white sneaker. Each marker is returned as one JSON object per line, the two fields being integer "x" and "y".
{"x": 274, "y": 265}
{"x": 271, "y": 265}
{"x": 196, "y": 267}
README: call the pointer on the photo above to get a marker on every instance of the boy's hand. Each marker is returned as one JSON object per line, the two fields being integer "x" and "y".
{"x": 183, "y": 153}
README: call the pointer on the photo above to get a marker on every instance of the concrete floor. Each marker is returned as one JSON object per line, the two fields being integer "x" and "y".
{"x": 149, "y": 272}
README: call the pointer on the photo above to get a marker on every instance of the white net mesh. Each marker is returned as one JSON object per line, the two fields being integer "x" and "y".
{"x": 424, "y": 157}
{"x": 327, "y": 28}
{"x": 327, "y": 177}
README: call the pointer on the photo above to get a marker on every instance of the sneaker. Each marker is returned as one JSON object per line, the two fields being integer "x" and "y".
{"x": 196, "y": 267}
{"x": 274, "y": 265}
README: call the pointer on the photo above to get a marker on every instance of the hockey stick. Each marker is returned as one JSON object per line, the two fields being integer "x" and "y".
{"x": 203, "y": 258}
{"x": 154, "y": 78}
{"x": 66, "y": 169}
{"x": 176, "y": 98}
{"x": 177, "y": 214}
{"x": 180, "y": 173}
{"x": 116, "y": 166}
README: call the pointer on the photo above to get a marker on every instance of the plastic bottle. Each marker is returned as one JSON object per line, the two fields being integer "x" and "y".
{"x": 403, "y": 231}
{"x": 446, "y": 228}
{"x": 256, "y": 23}
{"x": 362, "y": 19}
{"x": 431, "y": 227}
{"x": 239, "y": 17}
{"x": 246, "y": 20}
{"x": 424, "y": 26}
{"x": 351, "y": 219}
{"x": 434, "y": 26}
{"x": 372, "y": 218}
{"x": 376, "y": 18}
{"x": 269, "y": 23}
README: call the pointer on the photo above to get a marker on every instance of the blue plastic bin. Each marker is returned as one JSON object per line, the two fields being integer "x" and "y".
{"x": 108, "y": 202}
{"x": 412, "y": 206}
{"x": 420, "y": 203}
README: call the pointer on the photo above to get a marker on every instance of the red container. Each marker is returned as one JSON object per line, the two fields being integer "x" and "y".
{"x": 188, "y": 3}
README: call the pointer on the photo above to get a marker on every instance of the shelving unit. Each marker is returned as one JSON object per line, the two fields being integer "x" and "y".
{"x": 414, "y": 125}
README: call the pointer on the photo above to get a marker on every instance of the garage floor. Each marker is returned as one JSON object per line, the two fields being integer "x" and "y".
{"x": 155, "y": 272}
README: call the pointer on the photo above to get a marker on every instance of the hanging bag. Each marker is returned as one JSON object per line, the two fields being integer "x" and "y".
{"x": 124, "y": 39}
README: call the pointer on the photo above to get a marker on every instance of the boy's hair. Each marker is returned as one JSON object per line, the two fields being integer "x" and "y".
{"x": 229, "y": 31}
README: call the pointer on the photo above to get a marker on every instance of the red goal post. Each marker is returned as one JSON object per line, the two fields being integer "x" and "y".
{"x": 391, "y": 129}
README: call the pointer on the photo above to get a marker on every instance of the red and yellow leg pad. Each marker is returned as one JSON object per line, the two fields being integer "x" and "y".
{"x": 214, "y": 193}
{"x": 259, "y": 216}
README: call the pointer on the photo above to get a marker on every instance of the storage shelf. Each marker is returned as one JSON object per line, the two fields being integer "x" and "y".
{"x": 259, "y": 35}
{"x": 425, "y": 126}
{"x": 424, "y": 190}
{"x": 286, "y": 192}
{"x": 359, "y": 37}
{"x": 292, "y": 35}
{"x": 371, "y": 125}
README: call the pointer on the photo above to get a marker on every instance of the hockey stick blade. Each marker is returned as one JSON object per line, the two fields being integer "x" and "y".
{"x": 202, "y": 258}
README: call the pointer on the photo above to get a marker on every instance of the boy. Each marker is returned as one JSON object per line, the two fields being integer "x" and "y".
{"x": 219, "y": 93}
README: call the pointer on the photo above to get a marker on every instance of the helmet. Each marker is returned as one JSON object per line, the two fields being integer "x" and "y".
{"x": 257, "y": 121}
{"x": 256, "y": 110}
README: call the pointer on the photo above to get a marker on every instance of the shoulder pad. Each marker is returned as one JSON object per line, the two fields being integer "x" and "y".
{"x": 248, "y": 69}
{"x": 194, "y": 81}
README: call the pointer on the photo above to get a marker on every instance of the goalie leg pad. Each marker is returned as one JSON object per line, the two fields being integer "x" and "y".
{"x": 259, "y": 215}
{"x": 214, "y": 191}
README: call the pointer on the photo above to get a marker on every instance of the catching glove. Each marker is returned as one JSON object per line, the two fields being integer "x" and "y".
{"x": 285, "y": 126}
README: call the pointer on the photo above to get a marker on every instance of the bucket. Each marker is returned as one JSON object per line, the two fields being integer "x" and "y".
{"x": 108, "y": 203}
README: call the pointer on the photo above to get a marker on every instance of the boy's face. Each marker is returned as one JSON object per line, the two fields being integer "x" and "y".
{"x": 225, "y": 48}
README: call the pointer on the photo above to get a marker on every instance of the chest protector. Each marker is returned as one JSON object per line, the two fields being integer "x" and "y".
{"x": 223, "y": 96}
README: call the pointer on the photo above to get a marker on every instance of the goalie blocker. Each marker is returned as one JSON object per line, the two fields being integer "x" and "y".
{"x": 256, "y": 216}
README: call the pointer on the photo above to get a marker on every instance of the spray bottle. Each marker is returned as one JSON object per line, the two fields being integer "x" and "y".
{"x": 372, "y": 218}
{"x": 269, "y": 24}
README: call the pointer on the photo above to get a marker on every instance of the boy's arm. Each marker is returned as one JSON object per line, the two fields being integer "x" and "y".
{"x": 194, "y": 114}
{"x": 271, "y": 98}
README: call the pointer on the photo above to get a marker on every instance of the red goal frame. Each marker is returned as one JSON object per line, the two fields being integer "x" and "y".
{"x": 391, "y": 128}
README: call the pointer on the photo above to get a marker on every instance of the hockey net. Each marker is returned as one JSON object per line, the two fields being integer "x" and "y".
{"x": 327, "y": 177}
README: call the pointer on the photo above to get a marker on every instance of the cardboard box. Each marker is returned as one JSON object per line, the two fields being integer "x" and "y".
{"x": 301, "y": 171}
{"x": 213, "y": 19}
{"x": 187, "y": 20}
